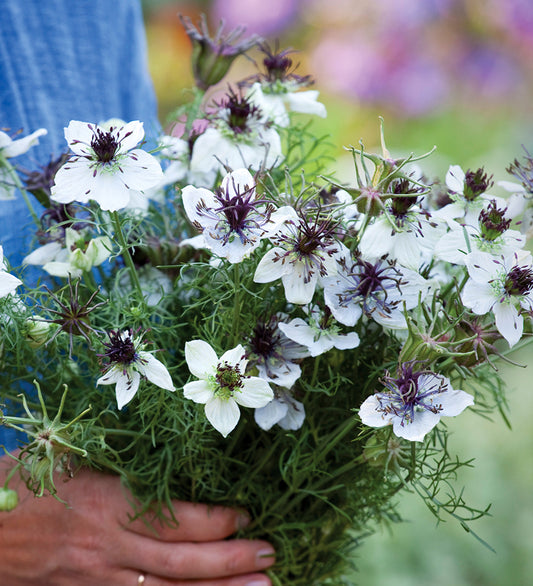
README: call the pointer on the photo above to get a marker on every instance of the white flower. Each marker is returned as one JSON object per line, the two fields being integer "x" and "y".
{"x": 274, "y": 354}
{"x": 105, "y": 166}
{"x": 318, "y": 334}
{"x": 223, "y": 386}
{"x": 490, "y": 235}
{"x": 8, "y": 283}
{"x": 13, "y": 148}
{"x": 378, "y": 290}
{"x": 234, "y": 219}
{"x": 128, "y": 362}
{"x": 238, "y": 138}
{"x": 80, "y": 254}
{"x": 275, "y": 101}
{"x": 467, "y": 191}
{"x": 305, "y": 253}
{"x": 284, "y": 411}
{"x": 414, "y": 403}
{"x": 502, "y": 286}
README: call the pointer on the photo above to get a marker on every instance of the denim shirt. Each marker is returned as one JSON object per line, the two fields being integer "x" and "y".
{"x": 63, "y": 60}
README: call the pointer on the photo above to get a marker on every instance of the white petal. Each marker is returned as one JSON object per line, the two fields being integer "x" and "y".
{"x": 155, "y": 371}
{"x": 20, "y": 146}
{"x": 306, "y": 103}
{"x": 79, "y": 136}
{"x": 269, "y": 269}
{"x": 43, "y": 254}
{"x": 266, "y": 417}
{"x": 424, "y": 421}
{"x": 369, "y": 414}
{"x": 62, "y": 269}
{"x": 255, "y": 392}
{"x": 347, "y": 341}
{"x": 509, "y": 322}
{"x": 8, "y": 283}
{"x": 111, "y": 376}
{"x": 234, "y": 357}
{"x": 296, "y": 289}
{"x": 126, "y": 388}
{"x": 295, "y": 416}
{"x": 455, "y": 178}
{"x": 141, "y": 170}
{"x": 201, "y": 359}
{"x": 191, "y": 197}
{"x": 238, "y": 181}
{"x": 223, "y": 414}
{"x": 130, "y": 134}
{"x": 454, "y": 402}
{"x": 479, "y": 297}
{"x": 198, "y": 391}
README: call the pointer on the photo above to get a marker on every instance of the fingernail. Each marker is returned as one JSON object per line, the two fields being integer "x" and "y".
{"x": 265, "y": 557}
{"x": 258, "y": 583}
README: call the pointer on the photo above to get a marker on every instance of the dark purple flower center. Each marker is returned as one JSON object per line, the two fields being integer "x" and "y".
{"x": 523, "y": 171}
{"x": 492, "y": 222}
{"x": 519, "y": 281}
{"x": 476, "y": 183}
{"x": 104, "y": 145}
{"x": 240, "y": 112}
{"x": 264, "y": 340}
{"x": 374, "y": 278}
{"x": 314, "y": 234}
{"x": 120, "y": 349}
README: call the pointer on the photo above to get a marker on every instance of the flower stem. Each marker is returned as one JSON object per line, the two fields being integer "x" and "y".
{"x": 236, "y": 305}
{"x": 125, "y": 252}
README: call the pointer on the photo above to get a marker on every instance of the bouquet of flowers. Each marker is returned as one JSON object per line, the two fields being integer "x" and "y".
{"x": 221, "y": 320}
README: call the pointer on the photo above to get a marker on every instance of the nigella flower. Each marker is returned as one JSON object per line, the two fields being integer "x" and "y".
{"x": 276, "y": 91}
{"x": 503, "y": 286}
{"x": 319, "y": 333}
{"x": 275, "y": 355}
{"x": 233, "y": 220}
{"x": 379, "y": 290}
{"x": 305, "y": 253}
{"x": 413, "y": 403}
{"x": 403, "y": 231}
{"x": 468, "y": 194}
{"x": 105, "y": 165}
{"x": 212, "y": 57}
{"x": 238, "y": 137}
{"x": 491, "y": 234}
{"x": 10, "y": 147}
{"x": 223, "y": 384}
{"x": 8, "y": 283}
{"x": 127, "y": 362}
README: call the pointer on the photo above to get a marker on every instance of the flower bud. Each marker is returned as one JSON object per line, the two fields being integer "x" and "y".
{"x": 8, "y": 499}
{"x": 36, "y": 332}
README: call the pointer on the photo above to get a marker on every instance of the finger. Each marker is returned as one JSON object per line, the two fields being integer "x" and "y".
{"x": 196, "y": 522}
{"x": 185, "y": 561}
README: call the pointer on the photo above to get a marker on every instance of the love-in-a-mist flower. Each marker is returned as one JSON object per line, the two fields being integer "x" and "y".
{"x": 404, "y": 231}
{"x": 379, "y": 290}
{"x": 238, "y": 137}
{"x": 275, "y": 356}
{"x": 503, "y": 286}
{"x": 223, "y": 384}
{"x": 128, "y": 361}
{"x": 8, "y": 282}
{"x": 319, "y": 333}
{"x": 413, "y": 403}
{"x": 492, "y": 235}
{"x": 305, "y": 252}
{"x": 277, "y": 90}
{"x": 468, "y": 194}
{"x": 233, "y": 219}
{"x": 106, "y": 166}
{"x": 79, "y": 254}
{"x": 10, "y": 147}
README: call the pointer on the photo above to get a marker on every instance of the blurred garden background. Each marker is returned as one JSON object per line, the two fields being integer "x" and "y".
{"x": 453, "y": 73}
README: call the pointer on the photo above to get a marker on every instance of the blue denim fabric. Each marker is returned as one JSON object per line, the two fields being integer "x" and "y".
{"x": 63, "y": 60}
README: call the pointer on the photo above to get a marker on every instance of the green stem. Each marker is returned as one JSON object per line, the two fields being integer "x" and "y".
{"x": 125, "y": 252}
{"x": 236, "y": 305}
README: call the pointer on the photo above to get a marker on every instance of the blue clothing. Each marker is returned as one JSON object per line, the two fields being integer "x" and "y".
{"x": 63, "y": 60}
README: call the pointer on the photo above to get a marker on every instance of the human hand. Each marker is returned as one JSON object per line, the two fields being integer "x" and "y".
{"x": 93, "y": 542}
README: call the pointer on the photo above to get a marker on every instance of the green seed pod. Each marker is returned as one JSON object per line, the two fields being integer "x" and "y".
{"x": 8, "y": 499}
